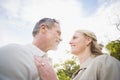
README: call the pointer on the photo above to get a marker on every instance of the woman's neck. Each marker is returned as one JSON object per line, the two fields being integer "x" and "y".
{"x": 84, "y": 56}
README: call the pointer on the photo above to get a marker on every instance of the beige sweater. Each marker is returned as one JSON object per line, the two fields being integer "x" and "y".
{"x": 103, "y": 67}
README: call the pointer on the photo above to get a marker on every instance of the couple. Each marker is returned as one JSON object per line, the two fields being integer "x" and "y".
{"x": 30, "y": 62}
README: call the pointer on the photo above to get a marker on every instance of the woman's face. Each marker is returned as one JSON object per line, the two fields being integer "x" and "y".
{"x": 78, "y": 43}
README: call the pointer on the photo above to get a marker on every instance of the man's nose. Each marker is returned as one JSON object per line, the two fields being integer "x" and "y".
{"x": 60, "y": 39}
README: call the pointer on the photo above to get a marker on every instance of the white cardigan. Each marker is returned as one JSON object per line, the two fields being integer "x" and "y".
{"x": 17, "y": 62}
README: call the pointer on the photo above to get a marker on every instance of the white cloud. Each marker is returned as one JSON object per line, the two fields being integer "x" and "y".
{"x": 22, "y": 15}
{"x": 107, "y": 2}
{"x": 55, "y": 9}
{"x": 19, "y": 16}
{"x": 107, "y": 17}
{"x": 11, "y": 7}
{"x": 102, "y": 22}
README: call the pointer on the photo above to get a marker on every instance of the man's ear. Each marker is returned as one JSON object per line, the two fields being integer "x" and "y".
{"x": 43, "y": 28}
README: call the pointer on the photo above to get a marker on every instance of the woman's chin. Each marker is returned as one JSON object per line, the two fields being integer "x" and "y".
{"x": 74, "y": 53}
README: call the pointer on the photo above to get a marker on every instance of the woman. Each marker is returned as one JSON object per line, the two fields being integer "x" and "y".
{"x": 93, "y": 64}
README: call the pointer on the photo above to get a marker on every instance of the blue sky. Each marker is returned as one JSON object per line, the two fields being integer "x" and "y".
{"x": 18, "y": 17}
{"x": 89, "y": 6}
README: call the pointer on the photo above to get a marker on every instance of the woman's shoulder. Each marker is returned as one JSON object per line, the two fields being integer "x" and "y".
{"x": 106, "y": 59}
{"x": 102, "y": 57}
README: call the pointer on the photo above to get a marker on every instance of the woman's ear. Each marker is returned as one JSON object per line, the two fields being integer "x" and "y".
{"x": 89, "y": 40}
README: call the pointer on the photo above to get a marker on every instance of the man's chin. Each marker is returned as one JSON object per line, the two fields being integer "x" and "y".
{"x": 55, "y": 48}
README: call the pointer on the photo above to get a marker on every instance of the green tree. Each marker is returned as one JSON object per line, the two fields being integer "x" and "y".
{"x": 114, "y": 48}
{"x": 66, "y": 69}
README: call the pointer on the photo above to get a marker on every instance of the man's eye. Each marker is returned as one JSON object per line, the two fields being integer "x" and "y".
{"x": 59, "y": 33}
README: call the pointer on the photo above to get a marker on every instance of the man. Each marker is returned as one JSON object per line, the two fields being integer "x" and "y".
{"x": 17, "y": 61}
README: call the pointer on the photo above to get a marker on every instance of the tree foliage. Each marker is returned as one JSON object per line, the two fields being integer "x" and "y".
{"x": 66, "y": 69}
{"x": 114, "y": 48}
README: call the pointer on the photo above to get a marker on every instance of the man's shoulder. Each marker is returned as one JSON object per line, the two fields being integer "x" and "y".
{"x": 11, "y": 49}
{"x": 12, "y": 45}
{"x": 16, "y": 52}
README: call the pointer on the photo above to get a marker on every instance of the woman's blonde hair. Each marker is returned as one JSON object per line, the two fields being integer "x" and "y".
{"x": 95, "y": 49}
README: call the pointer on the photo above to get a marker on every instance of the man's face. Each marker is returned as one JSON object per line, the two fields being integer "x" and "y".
{"x": 54, "y": 36}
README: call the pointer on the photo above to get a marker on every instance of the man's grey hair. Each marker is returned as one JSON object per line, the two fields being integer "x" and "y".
{"x": 48, "y": 21}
